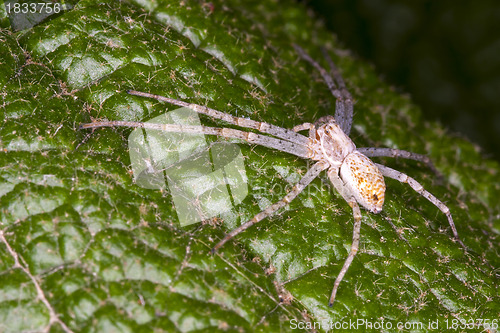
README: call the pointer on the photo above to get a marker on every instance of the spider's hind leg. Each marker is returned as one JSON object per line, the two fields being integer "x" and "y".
{"x": 398, "y": 153}
{"x": 403, "y": 178}
{"x": 339, "y": 185}
{"x": 356, "y": 234}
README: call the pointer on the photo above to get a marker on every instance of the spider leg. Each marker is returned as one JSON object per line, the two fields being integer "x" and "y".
{"x": 397, "y": 153}
{"x": 356, "y": 212}
{"x": 343, "y": 105}
{"x": 328, "y": 79}
{"x": 401, "y": 177}
{"x": 338, "y": 183}
{"x": 311, "y": 174}
{"x": 250, "y": 137}
{"x": 283, "y": 133}
{"x": 345, "y": 113}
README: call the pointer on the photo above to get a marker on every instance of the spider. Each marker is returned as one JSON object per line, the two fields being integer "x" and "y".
{"x": 357, "y": 179}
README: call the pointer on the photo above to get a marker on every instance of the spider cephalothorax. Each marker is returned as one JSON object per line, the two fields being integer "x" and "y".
{"x": 360, "y": 175}
{"x": 331, "y": 144}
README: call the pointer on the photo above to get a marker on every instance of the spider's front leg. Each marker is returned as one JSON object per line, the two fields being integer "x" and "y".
{"x": 344, "y": 103}
{"x": 311, "y": 174}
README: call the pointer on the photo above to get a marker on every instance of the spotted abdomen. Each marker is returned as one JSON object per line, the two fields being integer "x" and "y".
{"x": 364, "y": 180}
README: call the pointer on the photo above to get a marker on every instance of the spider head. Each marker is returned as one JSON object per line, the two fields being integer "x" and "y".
{"x": 364, "y": 181}
{"x": 335, "y": 144}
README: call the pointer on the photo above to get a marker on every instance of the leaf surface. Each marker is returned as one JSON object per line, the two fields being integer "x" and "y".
{"x": 83, "y": 248}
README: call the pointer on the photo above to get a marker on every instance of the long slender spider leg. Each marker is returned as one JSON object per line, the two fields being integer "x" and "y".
{"x": 344, "y": 113}
{"x": 283, "y": 133}
{"x": 326, "y": 77}
{"x": 356, "y": 212}
{"x": 258, "y": 139}
{"x": 343, "y": 105}
{"x": 403, "y": 178}
{"x": 311, "y": 174}
{"x": 398, "y": 153}
{"x": 356, "y": 234}
{"x": 335, "y": 71}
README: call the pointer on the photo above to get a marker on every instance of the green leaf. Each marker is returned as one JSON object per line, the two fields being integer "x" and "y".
{"x": 84, "y": 248}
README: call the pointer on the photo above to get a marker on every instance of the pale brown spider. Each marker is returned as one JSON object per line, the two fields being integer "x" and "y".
{"x": 358, "y": 180}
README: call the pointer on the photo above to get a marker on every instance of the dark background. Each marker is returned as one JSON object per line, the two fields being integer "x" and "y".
{"x": 446, "y": 54}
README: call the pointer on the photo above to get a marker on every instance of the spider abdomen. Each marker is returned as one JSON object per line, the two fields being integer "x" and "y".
{"x": 364, "y": 180}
